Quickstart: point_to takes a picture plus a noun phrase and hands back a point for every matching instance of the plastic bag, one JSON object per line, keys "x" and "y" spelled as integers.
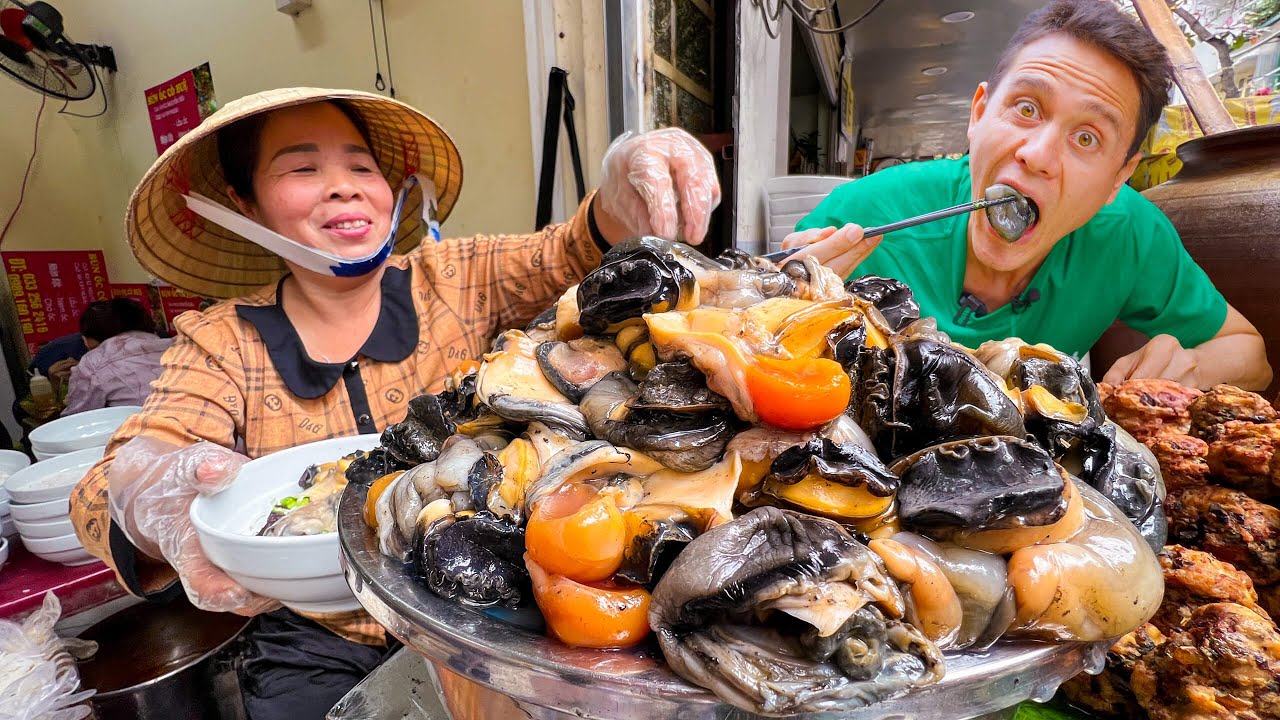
{"x": 38, "y": 677}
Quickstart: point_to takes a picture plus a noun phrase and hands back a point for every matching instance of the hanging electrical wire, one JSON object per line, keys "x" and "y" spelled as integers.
{"x": 378, "y": 82}
{"x": 386, "y": 46}
{"x": 22, "y": 190}
{"x": 805, "y": 15}
{"x": 105, "y": 103}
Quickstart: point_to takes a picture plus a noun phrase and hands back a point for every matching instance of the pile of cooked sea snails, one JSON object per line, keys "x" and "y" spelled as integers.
{"x": 805, "y": 491}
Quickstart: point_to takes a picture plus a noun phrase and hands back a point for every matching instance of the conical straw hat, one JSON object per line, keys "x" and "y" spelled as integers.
{"x": 196, "y": 255}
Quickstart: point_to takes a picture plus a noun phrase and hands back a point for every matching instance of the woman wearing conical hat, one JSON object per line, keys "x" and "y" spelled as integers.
{"x": 291, "y": 203}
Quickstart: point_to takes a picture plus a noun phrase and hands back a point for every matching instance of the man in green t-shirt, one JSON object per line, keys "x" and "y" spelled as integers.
{"x": 1060, "y": 120}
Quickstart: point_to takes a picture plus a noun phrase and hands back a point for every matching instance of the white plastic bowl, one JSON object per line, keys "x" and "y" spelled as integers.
{"x": 51, "y": 479}
{"x": 82, "y": 430}
{"x": 40, "y": 512}
{"x": 75, "y": 556}
{"x": 11, "y": 461}
{"x": 301, "y": 572}
{"x": 44, "y": 528}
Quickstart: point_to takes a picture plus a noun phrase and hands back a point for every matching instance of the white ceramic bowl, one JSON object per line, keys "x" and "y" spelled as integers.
{"x": 8, "y": 528}
{"x": 301, "y": 572}
{"x": 75, "y": 556}
{"x": 4, "y": 551}
{"x": 39, "y": 512}
{"x": 11, "y": 461}
{"x": 51, "y": 479}
{"x": 44, "y": 528}
{"x": 42, "y": 456}
{"x": 52, "y": 544}
{"x": 82, "y": 430}
{"x": 4, "y": 508}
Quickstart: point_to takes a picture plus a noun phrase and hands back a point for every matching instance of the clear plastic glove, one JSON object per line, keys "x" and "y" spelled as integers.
{"x": 151, "y": 485}
{"x": 662, "y": 183}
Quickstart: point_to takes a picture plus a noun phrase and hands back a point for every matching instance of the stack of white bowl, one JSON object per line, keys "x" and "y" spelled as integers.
{"x": 76, "y": 432}
{"x": 39, "y": 501}
{"x": 11, "y": 461}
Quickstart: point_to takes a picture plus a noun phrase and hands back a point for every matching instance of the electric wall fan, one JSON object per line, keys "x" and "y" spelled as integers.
{"x": 35, "y": 50}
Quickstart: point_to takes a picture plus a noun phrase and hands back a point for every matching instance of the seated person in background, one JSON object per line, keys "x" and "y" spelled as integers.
{"x": 123, "y": 358}
{"x": 1060, "y": 120}
{"x": 59, "y": 355}
{"x": 67, "y": 347}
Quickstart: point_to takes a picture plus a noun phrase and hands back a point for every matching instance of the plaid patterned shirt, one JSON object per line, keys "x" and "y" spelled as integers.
{"x": 239, "y": 376}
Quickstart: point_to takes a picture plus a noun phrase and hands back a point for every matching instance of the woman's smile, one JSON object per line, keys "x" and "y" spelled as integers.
{"x": 349, "y": 226}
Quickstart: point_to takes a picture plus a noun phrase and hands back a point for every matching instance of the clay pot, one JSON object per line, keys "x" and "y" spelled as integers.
{"x": 1225, "y": 203}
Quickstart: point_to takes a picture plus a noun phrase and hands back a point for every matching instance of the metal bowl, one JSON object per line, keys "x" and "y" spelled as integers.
{"x": 505, "y": 652}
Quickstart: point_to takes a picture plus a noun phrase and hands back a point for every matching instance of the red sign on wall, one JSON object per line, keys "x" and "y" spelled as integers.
{"x": 174, "y": 302}
{"x": 51, "y": 288}
{"x": 177, "y": 106}
{"x": 146, "y": 295}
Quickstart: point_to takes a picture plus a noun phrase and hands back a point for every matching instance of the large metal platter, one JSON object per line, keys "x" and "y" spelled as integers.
{"x": 540, "y": 673}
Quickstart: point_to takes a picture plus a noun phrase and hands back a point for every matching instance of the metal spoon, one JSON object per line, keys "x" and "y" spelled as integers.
{"x": 1009, "y": 212}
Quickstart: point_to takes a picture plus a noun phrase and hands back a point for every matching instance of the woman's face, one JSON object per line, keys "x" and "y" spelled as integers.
{"x": 315, "y": 182}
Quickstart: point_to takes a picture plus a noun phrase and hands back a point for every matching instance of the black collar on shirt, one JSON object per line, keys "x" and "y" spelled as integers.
{"x": 393, "y": 338}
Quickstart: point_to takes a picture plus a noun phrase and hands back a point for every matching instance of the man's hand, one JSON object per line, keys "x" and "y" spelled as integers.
{"x": 660, "y": 183}
{"x": 1162, "y": 357}
{"x": 842, "y": 249}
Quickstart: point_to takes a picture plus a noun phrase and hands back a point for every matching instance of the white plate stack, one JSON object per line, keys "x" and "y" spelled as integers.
{"x": 80, "y": 431}
{"x": 11, "y": 461}
{"x": 40, "y": 504}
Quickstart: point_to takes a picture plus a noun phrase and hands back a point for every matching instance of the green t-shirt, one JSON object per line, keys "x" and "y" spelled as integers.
{"x": 1127, "y": 263}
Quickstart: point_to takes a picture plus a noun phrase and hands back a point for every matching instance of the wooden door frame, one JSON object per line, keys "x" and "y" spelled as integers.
{"x": 761, "y": 117}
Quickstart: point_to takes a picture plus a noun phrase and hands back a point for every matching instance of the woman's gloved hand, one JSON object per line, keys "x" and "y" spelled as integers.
{"x": 151, "y": 485}
{"x": 661, "y": 182}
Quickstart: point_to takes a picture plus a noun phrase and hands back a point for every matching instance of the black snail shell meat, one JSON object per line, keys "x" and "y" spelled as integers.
{"x": 478, "y": 560}
{"x": 779, "y": 612}
{"x": 636, "y": 276}
{"x": 419, "y": 437}
{"x": 684, "y": 442}
{"x": 842, "y": 481}
{"x": 678, "y": 387}
{"x": 1126, "y": 473}
{"x": 372, "y": 465}
{"x": 891, "y": 297}
{"x": 942, "y": 392}
{"x": 982, "y": 483}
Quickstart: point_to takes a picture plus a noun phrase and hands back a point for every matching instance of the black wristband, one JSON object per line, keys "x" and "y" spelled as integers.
{"x": 594, "y": 229}
{"x": 125, "y": 556}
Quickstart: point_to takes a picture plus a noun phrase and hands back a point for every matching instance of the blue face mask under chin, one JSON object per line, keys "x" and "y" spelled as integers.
{"x": 310, "y": 258}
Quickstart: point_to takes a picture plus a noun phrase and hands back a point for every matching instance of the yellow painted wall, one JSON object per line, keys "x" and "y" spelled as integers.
{"x": 63, "y": 208}
{"x": 463, "y": 63}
